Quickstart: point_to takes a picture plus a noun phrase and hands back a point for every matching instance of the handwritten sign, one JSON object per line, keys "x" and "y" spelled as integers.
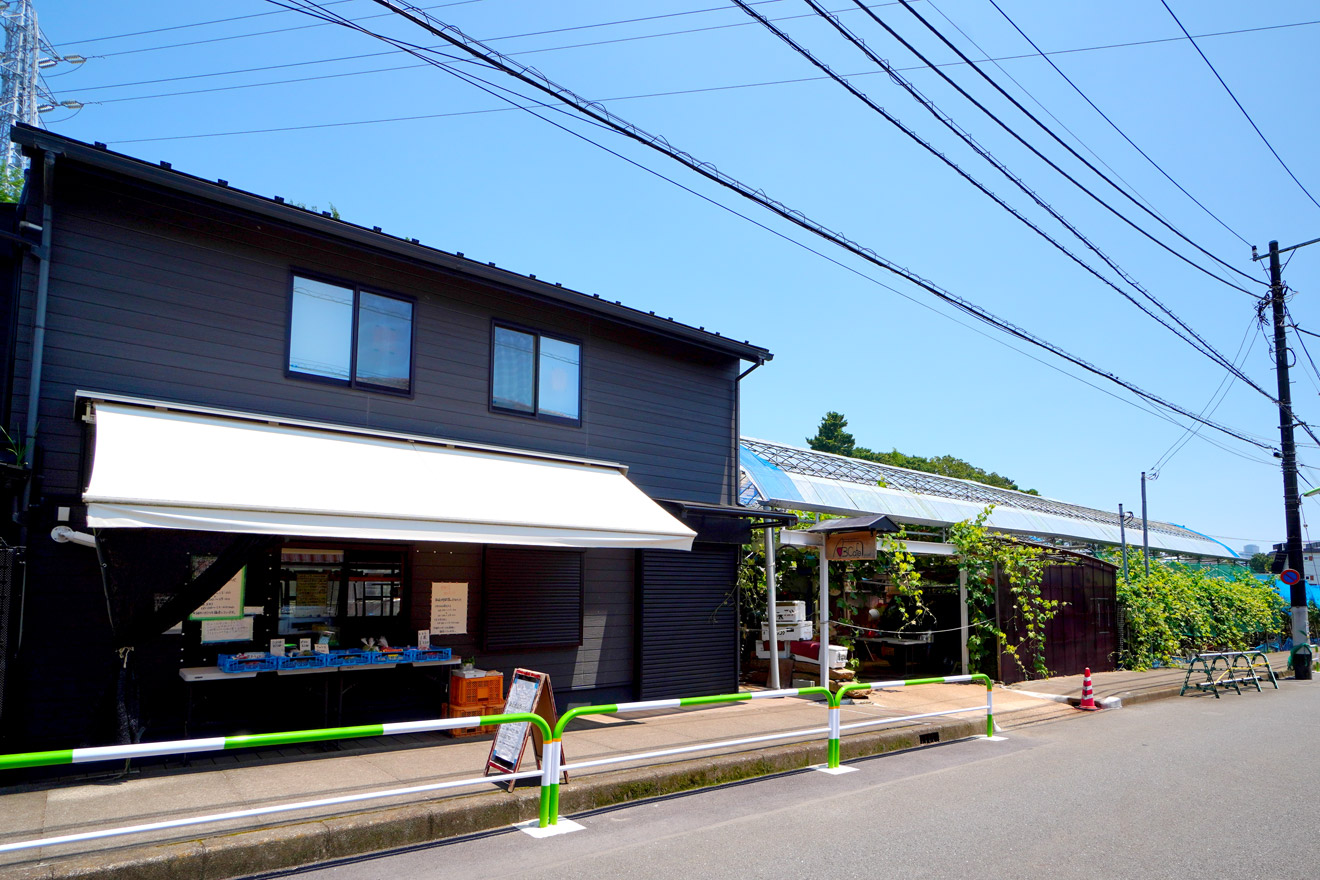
{"x": 449, "y": 603}
{"x": 239, "y": 630}
{"x": 313, "y": 589}
{"x": 509, "y": 741}
{"x": 227, "y": 604}
{"x": 529, "y": 691}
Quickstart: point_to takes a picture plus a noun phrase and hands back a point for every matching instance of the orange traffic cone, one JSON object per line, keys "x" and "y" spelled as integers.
{"x": 1088, "y": 696}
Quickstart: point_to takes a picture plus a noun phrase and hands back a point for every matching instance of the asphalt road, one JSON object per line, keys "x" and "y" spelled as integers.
{"x": 1184, "y": 788}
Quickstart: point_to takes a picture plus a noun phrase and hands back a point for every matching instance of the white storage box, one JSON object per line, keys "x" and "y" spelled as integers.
{"x": 763, "y": 651}
{"x": 790, "y": 612}
{"x": 838, "y": 657}
{"x": 795, "y": 632}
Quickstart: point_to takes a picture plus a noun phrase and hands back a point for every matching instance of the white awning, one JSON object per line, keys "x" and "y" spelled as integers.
{"x": 177, "y": 469}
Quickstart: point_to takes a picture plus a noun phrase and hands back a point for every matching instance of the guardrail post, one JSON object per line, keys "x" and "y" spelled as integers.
{"x": 549, "y": 783}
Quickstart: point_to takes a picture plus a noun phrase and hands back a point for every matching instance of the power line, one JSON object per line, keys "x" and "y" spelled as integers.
{"x": 1264, "y": 139}
{"x": 1114, "y": 125}
{"x": 180, "y": 27}
{"x": 1046, "y": 110}
{"x": 652, "y": 36}
{"x": 1200, "y": 344}
{"x": 1103, "y": 47}
{"x": 1057, "y": 139}
{"x": 1221, "y": 392}
{"x": 593, "y": 111}
{"x": 491, "y": 89}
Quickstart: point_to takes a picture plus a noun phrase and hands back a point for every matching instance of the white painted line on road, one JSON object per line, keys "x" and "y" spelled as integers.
{"x": 561, "y": 826}
{"x": 1056, "y": 698}
{"x": 833, "y": 771}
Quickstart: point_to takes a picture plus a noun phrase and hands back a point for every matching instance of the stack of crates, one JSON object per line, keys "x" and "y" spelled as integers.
{"x": 478, "y": 695}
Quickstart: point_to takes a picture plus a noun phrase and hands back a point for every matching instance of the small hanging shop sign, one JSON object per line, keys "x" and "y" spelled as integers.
{"x": 843, "y": 546}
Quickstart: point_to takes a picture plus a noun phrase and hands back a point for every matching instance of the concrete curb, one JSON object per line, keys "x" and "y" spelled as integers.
{"x": 304, "y": 844}
{"x": 319, "y": 841}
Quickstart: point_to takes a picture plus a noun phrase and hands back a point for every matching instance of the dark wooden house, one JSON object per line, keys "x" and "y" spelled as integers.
{"x": 223, "y": 388}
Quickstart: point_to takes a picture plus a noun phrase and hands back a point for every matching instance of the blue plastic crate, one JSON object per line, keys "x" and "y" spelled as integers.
{"x": 391, "y": 655}
{"x": 232, "y": 663}
{"x": 304, "y": 661}
{"x": 349, "y": 658}
{"x": 430, "y": 654}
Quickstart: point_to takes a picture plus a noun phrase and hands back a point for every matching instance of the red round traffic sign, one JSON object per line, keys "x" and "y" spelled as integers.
{"x": 1290, "y": 576}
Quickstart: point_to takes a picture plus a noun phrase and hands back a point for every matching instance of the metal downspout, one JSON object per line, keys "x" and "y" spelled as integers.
{"x": 39, "y": 317}
{"x": 34, "y": 378}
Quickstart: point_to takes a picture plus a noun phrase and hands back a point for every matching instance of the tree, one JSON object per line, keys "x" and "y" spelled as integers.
{"x": 830, "y": 436}
{"x": 11, "y": 183}
{"x": 1260, "y": 562}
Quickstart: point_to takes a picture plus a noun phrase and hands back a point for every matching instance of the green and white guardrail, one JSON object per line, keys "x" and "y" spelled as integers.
{"x": 551, "y": 763}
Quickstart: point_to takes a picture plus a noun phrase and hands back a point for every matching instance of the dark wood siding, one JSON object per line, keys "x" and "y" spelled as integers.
{"x": 688, "y": 641}
{"x": 154, "y": 297}
{"x": 1084, "y": 632}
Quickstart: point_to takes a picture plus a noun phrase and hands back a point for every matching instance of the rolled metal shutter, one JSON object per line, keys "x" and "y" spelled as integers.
{"x": 533, "y": 599}
{"x": 688, "y": 623}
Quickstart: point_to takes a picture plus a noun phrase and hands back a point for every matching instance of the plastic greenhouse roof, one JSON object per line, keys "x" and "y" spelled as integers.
{"x": 788, "y": 477}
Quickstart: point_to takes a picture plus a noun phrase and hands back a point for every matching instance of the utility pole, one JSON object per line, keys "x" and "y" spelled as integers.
{"x": 1122, "y": 537}
{"x": 1145, "y": 531}
{"x": 1292, "y": 502}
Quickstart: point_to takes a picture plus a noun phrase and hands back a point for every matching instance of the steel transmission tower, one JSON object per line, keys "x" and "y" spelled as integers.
{"x": 18, "y": 74}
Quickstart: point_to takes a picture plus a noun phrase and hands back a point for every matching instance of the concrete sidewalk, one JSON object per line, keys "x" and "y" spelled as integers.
{"x": 248, "y": 845}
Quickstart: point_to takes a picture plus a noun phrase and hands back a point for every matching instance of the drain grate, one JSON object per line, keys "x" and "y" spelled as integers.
{"x": 928, "y": 738}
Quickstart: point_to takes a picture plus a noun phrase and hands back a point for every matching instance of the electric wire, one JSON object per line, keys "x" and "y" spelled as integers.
{"x": 1199, "y": 344}
{"x": 1046, "y": 110}
{"x": 1256, "y": 127}
{"x": 1213, "y": 404}
{"x": 1302, "y": 342}
{"x": 648, "y": 36}
{"x": 1099, "y": 48}
{"x": 990, "y": 80}
{"x": 1138, "y": 403}
{"x": 1115, "y": 126}
{"x": 195, "y": 24}
{"x": 593, "y": 111}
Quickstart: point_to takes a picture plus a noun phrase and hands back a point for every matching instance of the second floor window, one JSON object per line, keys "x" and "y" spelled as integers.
{"x": 536, "y": 375}
{"x": 350, "y": 335}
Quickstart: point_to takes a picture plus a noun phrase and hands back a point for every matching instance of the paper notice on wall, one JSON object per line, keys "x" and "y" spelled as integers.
{"x": 449, "y": 603}
{"x": 226, "y": 604}
{"x": 313, "y": 591}
{"x": 227, "y": 630}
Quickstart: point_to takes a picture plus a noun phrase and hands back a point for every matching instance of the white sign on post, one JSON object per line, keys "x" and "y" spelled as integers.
{"x": 449, "y": 602}
{"x": 227, "y": 630}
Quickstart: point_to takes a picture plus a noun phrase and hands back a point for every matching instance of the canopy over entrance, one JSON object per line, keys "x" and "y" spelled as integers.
{"x": 157, "y": 466}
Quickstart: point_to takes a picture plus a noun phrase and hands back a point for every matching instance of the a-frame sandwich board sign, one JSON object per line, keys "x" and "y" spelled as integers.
{"x": 529, "y": 691}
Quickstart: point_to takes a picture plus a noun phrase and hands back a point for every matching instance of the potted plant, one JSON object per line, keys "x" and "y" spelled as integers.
{"x": 14, "y": 470}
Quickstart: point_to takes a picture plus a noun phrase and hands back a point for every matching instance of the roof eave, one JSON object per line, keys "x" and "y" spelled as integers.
{"x": 35, "y": 140}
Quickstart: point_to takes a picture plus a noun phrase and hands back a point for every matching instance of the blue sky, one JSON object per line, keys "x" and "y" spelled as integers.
{"x": 461, "y": 171}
